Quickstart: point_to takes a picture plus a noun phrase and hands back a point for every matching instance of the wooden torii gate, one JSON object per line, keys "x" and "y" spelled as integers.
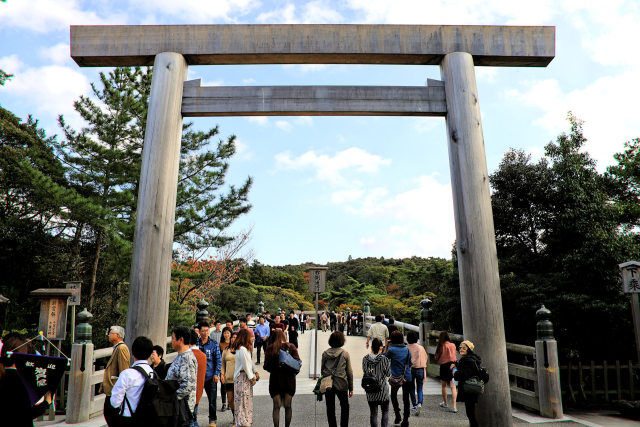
{"x": 456, "y": 49}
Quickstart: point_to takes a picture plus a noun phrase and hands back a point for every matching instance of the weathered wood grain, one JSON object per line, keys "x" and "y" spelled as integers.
{"x": 125, "y": 45}
{"x": 313, "y": 101}
{"x": 482, "y": 318}
{"x": 148, "y": 311}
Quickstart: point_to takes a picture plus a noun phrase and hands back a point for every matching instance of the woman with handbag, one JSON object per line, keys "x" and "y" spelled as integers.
{"x": 227, "y": 368}
{"x": 400, "y": 377}
{"x": 376, "y": 366}
{"x": 337, "y": 379}
{"x": 282, "y": 380}
{"x": 244, "y": 378}
{"x": 467, "y": 367}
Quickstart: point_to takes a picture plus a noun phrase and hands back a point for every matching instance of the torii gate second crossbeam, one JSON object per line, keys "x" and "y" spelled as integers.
{"x": 454, "y": 48}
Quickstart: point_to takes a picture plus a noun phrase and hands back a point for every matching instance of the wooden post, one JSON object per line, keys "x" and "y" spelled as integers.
{"x": 482, "y": 318}
{"x": 80, "y": 393}
{"x": 549, "y": 392}
{"x": 148, "y": 311}
{"x": 635, "y": 315}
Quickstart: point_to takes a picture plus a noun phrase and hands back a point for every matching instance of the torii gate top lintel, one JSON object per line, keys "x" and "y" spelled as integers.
{"x": 129, "y": 45}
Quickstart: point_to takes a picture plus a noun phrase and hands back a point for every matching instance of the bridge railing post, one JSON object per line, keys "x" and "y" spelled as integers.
{"x": 548, "y": 372}
{"x": 79, "y": 395}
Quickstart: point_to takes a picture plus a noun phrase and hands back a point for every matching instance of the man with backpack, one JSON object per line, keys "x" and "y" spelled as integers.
{"x": 127, "y": 390}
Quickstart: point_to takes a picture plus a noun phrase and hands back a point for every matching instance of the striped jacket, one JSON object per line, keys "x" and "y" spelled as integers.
{"x": 379, "y": 365}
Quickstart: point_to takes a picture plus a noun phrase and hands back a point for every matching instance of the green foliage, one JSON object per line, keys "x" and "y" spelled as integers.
{"x": 4, "y": 77}
{"x": 559, "y": 239}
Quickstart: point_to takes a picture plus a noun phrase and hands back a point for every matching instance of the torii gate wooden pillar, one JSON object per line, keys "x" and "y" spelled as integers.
{"x": 455, "y": 48}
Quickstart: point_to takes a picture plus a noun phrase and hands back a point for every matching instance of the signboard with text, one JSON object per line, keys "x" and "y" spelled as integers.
{"x": 630, "y": 277}
{"x": 74, "y": 300}
{"x": 317, "y": 279}
{"x": 53, "y": 311}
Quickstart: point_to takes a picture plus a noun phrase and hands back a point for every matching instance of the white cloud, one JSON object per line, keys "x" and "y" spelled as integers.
{"x": 242, "y": 149}
{"x": 284, "y": 125}
{"x": 331, "y": 168}
{"x": 11, "y": 64}
{"x": 460, "y": 12}
{"x": 260, "y": 120}
{"x": 48, "y": 90}
{"x": 345, "y": 196}
{"x": 59, "y": 54}
{"x": 320, "y": 12}
{"x": 194, "y": 11}
{"x": 286, "y": 15}
{"x": 249, "y": 81}
{"x": 421, "y": 218}
{"x": 42, "y": 16}
{"x": 608, "y": 106}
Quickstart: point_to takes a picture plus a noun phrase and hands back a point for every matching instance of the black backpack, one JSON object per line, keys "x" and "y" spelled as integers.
{"x": 158, "y": 405}
{"x": 370, "y": 383}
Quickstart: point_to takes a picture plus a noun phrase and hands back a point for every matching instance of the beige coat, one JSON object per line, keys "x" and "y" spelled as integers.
{"x": 118, "y": 362}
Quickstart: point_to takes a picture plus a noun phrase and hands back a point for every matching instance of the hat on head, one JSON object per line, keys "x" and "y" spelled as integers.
{"x": 468, "y": 343}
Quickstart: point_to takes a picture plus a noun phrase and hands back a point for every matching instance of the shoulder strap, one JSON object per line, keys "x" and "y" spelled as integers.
{"x": 142, "y": 371}
{"x": 337, "y": 364}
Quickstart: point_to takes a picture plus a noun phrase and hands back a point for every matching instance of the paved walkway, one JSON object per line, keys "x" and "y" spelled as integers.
{"x": 308, "y": 412}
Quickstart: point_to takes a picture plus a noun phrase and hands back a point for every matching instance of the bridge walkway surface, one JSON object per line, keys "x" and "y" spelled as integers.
{"x": 308, "y": 412}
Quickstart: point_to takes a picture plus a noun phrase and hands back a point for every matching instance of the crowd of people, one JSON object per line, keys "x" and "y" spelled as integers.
{"x": 211, "y": 356}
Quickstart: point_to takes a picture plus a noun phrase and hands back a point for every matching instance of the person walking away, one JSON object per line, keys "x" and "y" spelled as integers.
{"x": 184, "y": 369}
{"x": 244, "y": 378}
{"x": 378, "y": 365}
{"x": 225, "y": 340}
{"x": 324, "y": 319}
{"x": 118, "y": 362}
{"x": 262, "y": 333}
{"x": 303, "y": 322}
{"x": 333, "y": 321}
{"x": 392, "y": 325}
{"x": 446, "y": 357}
{"x": 293, "y": 335}
{"x": 201, "y": 373}
{"x": 308, "y": 321}
{"x": 468, "y": 366}
{"x": 227, "y": 369}
{"x": 337, "y": 363}
{"x": 378, "y": 330}
{"x": 15, "y": 402}
{"x": 127, "y": 390}
{"x": 400, "y": 357}
{"x": 419, "y": 361}
{"x": 282, "y": 381}
{"x": 211, "y": 350}
{"x": 157, "y": 362}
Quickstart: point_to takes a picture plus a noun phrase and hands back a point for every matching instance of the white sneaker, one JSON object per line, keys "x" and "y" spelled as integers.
{"x": 454, "y": 410}
{"x": 418, "y": 410}
{"x": 443, "y": 405}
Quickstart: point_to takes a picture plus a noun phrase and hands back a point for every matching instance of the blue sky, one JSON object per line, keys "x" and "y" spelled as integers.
{"x": 329, "y": 187}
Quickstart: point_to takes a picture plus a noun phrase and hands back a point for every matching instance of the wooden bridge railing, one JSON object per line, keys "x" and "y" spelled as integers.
{"x": 84, "y": 400}
{"x": 525, "y": 366}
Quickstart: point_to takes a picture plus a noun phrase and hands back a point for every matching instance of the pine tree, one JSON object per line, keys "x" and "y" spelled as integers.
{"x": 104, "y": 159}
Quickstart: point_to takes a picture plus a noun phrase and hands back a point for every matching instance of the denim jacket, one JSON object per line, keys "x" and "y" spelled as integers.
{"x": 400, "y": 357}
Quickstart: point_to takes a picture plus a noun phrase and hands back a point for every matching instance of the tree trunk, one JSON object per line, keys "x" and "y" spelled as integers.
{"x": 94, "y": 269}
